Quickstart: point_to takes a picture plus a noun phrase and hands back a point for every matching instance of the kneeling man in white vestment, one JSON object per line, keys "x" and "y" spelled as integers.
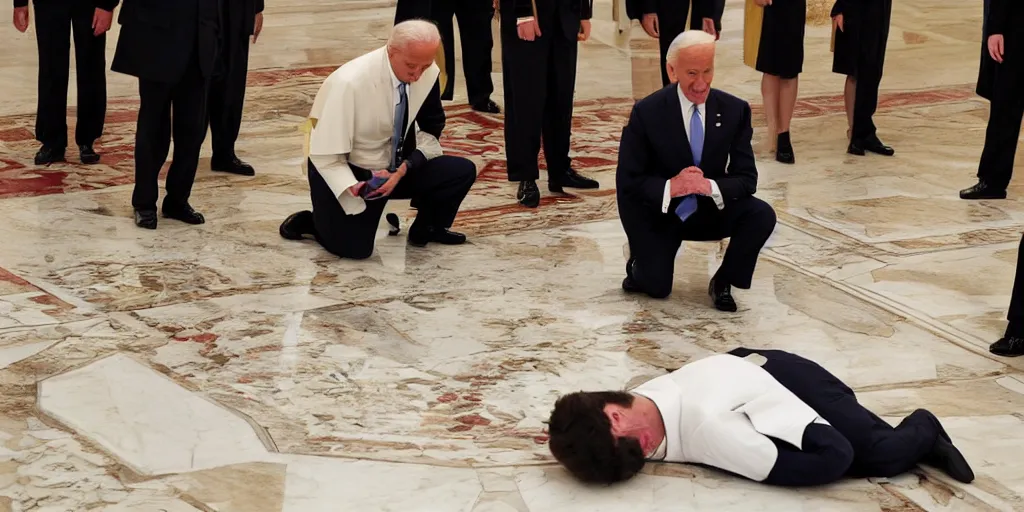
{"x": 376, "y": 122}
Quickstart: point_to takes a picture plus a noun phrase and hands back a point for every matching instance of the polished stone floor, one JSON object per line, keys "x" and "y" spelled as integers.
{"x": 223, "y": 368}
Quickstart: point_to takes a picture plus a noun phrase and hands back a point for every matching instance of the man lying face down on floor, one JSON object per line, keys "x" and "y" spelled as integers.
{"x": 767, "y": 415}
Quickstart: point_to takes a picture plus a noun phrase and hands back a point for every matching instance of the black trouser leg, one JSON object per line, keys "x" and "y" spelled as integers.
{"x": 152, "y": 141}
{"x": 437, "y": 189}
{"x": 345, "y": 236}
{"x": 747, "y": 222}
{"x": 671, "y": 23}
{"x": 1006, "y": 111}
{"x": 557, "y": 131}
{"x": 824, "y": 458}
{"x": 869, "y": 78}
{"x": 474, "y": 18}
{"x": 189, "y": 126}
{"x": 525, "y": 65}
{"x": 441, "y": 12}
{"x": 1016, "y": 312}
{"x": 91, "y": 70}
{"x": 227, "y": 91}
{"x": 53, "y": 39}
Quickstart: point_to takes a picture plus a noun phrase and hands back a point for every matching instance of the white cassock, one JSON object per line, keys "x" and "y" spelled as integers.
{"x": 719, "y": 410}
{"x": 352, "y": 121}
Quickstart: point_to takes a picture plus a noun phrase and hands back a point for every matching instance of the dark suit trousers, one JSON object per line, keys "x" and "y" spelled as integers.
{"x": 227, "y": 89}
{"x": 540, "y": 80}
{"x": 826, "y": 457}
{"x": 187, "y": 99}
{"x": 1016, "y": 313}
{"x": 54, "y": 21}
{"x": 412, "y": 9}
{"x": 1007, "y": 109}
{"x": 870, "y": 62}
{"x": 654, "y": 240}
{"x": 879, "y": 449}
{"x": 474, "y": 18}
{"x": 437, "y": 189}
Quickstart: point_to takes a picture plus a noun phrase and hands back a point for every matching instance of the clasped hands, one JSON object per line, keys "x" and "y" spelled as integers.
{"x": 690, "y": 181}
{"x": 384, "y": 190}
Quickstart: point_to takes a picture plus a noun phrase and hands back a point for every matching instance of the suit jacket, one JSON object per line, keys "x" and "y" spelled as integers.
{"x": 635, "y": 9}
{"x": 352, "y": 120}
{"x": 252, "y": 8}
{"x": 654, "y": 148}
{"x": 570, "y": 12}
{"x": 1001, "y": 17}
{"x": 412, "y": 9}
{"x": 721, "y": 411}
{"x": 158, "y": 38}
{"x": 107, "y": 5}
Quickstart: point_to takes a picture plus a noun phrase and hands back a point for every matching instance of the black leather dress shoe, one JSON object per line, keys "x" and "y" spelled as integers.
{"x": 87, "y": 155}
{"x": 722, "y": 297}
{"x": 48, "y": 155}
{"x": 297, "y": 226}
{"x": 859, "y": 147}
{"x": 145, "y": 219}
{"x": 983, "y": 190}
{"x": 442, "y": 236}
{"x": 628, "y": 284}
{"x": 784, "y": 149}
{"x": 1008, "y": 346}
{"x": 528, "y": 195}
{"x": 570, "y": 179}
{"x": 233, "y": 166}
{"x": 184, "y": 213}
{"x": 487, "y": 107}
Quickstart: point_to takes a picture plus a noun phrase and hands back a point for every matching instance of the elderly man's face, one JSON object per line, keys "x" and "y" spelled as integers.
{"x": 694, "y": 68}
{"x": 410, "y": 62}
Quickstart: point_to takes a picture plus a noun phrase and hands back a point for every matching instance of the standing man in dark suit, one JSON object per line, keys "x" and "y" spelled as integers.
{"x": 538, "y": 56}
{"x": 862, "y": 29}
{"x": 666, "y": 19}
{"x": 55, "y": 19}
{"x": 1001, "y": 80}
{"x": 241, "y": 18}
{"x": 686, "y": 172}
{"x": 475, "y": 32}
{"x": 1012, "y": 342}
{"x": 412, "y": 9}
{"x": 171, "y": 47}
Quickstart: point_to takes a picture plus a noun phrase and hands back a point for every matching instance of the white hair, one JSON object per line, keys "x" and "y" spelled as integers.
{"x": 413, "y": 31}
{"x": 685, "y": 40}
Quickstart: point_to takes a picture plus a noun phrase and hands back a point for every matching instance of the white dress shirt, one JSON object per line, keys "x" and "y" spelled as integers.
{"x": 687, "y": 108}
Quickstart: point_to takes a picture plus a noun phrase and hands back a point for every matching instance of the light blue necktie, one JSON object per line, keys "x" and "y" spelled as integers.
{"x": 399, "y": 130}
{"x": 689, "y": 204}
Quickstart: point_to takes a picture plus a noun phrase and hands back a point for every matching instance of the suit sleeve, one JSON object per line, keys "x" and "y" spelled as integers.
{"x": 741, "y": 178}
{"x": 998, "y": 16}
{"x": 522, "y": 8}
{"x": 20, "y": 3}
{"x": 430, "y": 122}
{"x": 586, "y": 9}
{"x": 107, "y": 5}
{"x": 709, "y": 9}
{"x": 838, "y": 8}
{"x": 633, "y": 175}
{"x": 259, "y": 6}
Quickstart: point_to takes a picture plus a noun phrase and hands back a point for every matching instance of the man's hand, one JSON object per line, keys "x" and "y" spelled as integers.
{"x": 528, "y": 30}
{"x": 763, "y": 3}
{"x": 101, "y": 20}
{"x": 649, "y": 22}
{"x": 21, "y": 18}
{"x": 389, "y": 186}
{"x": 709, "y": 27}
{"x": 837, "y": 22}
{"x": 996, "y": 47}
{"x": 257, "y": 27}
{"x": 584, "y": 30}
{"x": 689, "y": 181}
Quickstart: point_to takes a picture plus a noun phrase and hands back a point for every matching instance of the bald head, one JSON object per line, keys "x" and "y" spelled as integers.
{"x": 412, "y": 47}
{"x": 690, "y": 61}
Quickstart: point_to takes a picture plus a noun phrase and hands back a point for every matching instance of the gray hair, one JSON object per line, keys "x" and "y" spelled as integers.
{"x": 685, "y": 40}
{"x": 413, "y": 31}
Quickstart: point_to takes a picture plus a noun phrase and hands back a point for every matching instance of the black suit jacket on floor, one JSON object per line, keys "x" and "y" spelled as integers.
{"x": 654, "y": 148}
{"x": 158, "y": 38}
{"x": 570, "y": 12}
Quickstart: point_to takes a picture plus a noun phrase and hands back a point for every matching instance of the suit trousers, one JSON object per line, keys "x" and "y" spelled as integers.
{"x": 187, "y": 98}
{"x": 540, "y": 80}
{"x": 1016, "y": 313}
{"x": 227, "y": 89}
{"x": 879, "y": 450}
{"x": 654, "y": 240}
{"x": 474, "y": 18}
{"x": 1006, "y": 112}
{"x": 54, "y": 21}
{"x": 436, "y": 188}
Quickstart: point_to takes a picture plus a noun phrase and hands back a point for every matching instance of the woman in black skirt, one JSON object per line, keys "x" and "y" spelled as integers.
{"x": 773, "y": 43}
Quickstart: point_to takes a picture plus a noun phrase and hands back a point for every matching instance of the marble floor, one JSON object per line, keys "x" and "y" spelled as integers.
{"x": 222, "y": 368}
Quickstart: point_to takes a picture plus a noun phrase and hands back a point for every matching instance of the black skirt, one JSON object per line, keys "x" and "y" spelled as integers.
{"x": 774, "y": 37}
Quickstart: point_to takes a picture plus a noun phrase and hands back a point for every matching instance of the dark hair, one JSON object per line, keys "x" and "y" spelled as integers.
{"x": 581, "y": 438}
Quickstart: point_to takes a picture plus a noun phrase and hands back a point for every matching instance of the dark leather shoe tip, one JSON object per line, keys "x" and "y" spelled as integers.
{"x": 145, "y": 219}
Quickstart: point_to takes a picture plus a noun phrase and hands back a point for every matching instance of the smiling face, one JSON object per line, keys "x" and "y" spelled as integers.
{"x": 694, "y": 68}
{"x": 409, "y": 62}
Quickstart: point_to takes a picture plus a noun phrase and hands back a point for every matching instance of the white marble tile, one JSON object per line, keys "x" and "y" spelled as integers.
{"x": 12, "y": 354}
{"x": 146, "y": 420}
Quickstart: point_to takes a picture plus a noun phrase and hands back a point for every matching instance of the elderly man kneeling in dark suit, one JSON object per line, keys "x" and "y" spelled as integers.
{"x": 686, "y": 172}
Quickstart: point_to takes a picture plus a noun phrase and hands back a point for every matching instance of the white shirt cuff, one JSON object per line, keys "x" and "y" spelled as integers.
{"x": 520, "y": 21}
{"x": 717, "y": 195}
{"x": 667, "y": 197}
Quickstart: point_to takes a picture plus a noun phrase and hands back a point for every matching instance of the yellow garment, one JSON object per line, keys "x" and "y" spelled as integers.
{"x": 753, "y": 20}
